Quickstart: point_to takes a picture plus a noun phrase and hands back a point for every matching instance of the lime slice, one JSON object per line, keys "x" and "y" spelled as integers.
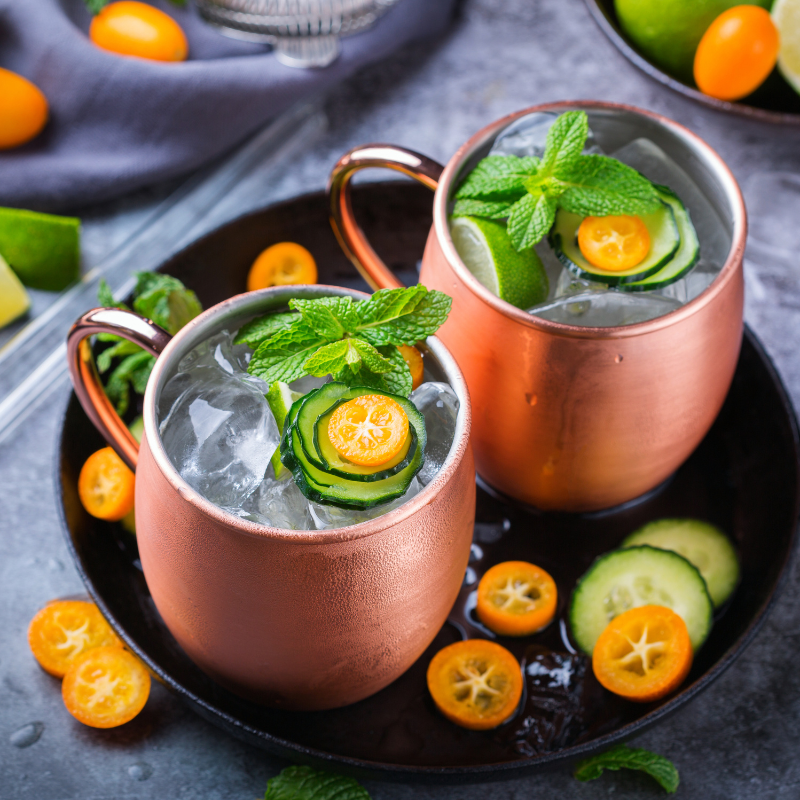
{"x": 786, "y": 16}
{"x": 280, "y": 398}
{"x": 487, "y": 252}
{"x": 43, "y": 249}
{"x": 14, "y": 300}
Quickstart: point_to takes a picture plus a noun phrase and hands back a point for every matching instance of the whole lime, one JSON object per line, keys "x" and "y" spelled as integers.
{"x": 667, "y": 32}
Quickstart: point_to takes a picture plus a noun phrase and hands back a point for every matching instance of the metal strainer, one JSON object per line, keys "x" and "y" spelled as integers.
{"x": 304, "y": 33}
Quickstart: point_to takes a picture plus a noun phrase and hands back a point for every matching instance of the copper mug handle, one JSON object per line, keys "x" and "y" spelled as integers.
{"x": 86, "y": 381}
{"x": 350, "y": 236}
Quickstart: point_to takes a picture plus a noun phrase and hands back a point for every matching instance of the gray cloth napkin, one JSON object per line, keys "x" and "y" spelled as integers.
{"x": 119, "y": 123}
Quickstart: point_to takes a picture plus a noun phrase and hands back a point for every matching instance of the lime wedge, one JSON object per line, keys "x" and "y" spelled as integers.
{"x": 280, "y": 398}
{"x": 43, "y": 249}
{"x": 14, "y": 300}
{"x": 137, "y": 429}
{"x": 487, "y": 252}
{"x": 786, "y": 16}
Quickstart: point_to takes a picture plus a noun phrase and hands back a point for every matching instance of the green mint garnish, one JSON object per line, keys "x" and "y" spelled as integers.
{"x": 624, "y": 757}
{"x": 355, "y": 342}
{"x": 161, "y": 298}
{"x": 305, "y": 783}
{"x": 96, "y": 6}
{"x": 529, "y": 190}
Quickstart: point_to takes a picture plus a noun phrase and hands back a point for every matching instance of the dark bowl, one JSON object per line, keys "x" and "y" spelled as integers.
{"x": 743, "y": 477}
{"x": 774, "y": 101}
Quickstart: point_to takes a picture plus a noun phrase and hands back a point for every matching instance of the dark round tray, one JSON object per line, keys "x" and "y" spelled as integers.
{"x": 774, "y": 101}
{"x": 743, "y": 477}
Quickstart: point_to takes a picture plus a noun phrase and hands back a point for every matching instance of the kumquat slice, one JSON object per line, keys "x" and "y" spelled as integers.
{"x": 283, "y": 264}
{"x": 644, "y": 654}
{"x": 613, "y": 243}
{"x": 516, "y": 598}
{"x": 106, "y": 486}
{"x": 64, "y": 630}
{"x": 368, "y": 430}
{"x": 106, "y": 687}
{"x": 413, "y": 358}
{"x": 476, "y": 684}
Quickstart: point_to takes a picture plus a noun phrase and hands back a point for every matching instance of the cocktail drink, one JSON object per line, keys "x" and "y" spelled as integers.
{"x": 303, "y": 562}
{"x": 597, "y": 301}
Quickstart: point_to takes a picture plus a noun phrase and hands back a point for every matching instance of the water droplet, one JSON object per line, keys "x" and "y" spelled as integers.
{"x": 470, "y": 577}
{"x": 54, "y": 565}
{"x": 475, "y": 552}
{"x": 27, "y": 735}
{"x": 618, "y": 359}
{"x": 140, "y": 771}
{"x": 531, "y": 399}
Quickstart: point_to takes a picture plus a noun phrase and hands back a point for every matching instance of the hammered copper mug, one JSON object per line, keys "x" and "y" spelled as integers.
{"x": 567, "y": 417}
{"x": 296, "y": 619}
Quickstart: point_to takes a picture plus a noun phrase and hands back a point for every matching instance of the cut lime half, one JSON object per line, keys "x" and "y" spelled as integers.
{"x": 280, "y": 398}
{"x": 487, "y": 252}
{"x": 14, "y": 300}
{"x": 786, "y": 16}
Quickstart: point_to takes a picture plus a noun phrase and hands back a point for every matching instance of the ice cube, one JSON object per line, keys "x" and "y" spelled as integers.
{"x": 280, "y": 504}
{"x": 714, "y": 234}
{"x": 218, "y": 351}
{"x": 439, "y": 405}
{"x": 326, "y": 517}
{"x": 605, "y": 309}
{"x": 217, "y": 430}
{"x": 528, "y": 136}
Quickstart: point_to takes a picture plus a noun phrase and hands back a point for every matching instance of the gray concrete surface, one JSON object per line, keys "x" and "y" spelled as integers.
{"x": 739, "y": 739}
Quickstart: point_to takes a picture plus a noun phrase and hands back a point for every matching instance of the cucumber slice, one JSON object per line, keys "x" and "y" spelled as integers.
{"x": 664, "y": 243}
{"x": 639, "y": 576}
{"x": 280, "y": 399}
{"x": 684, "y": 259}
{"x": 705, "y": 546}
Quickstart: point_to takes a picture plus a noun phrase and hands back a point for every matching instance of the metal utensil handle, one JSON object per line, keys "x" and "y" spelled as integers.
{"x": 350, "y": 236}
{"x": 86, "y": 380}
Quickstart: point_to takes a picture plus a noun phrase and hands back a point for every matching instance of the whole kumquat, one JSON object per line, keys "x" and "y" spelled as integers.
{"x": 737, "y": 53}
{"x": 614, "y": 243}
{"x": 368, "y": 430}
{"x": 106, "y": 486}
{"x": 413, "y": 358}
{"x": 516, "y": 598}
{"x": 64, "y": 630}
{"x": 106, "y": 687}
{"x": 23, "y": 110}
{"x": 476, "y": 684}
{"x": 644, "y": 653}
{"x": 130, "y": 28}
{"x": 282, "y": 264}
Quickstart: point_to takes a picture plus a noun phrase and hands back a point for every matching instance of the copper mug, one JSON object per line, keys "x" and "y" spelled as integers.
{"x": 296, "y": 619}
{"x": 566, "y": 417}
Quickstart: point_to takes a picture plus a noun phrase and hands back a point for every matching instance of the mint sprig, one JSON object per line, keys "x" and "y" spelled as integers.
{"x": 161, "y": 298}
{"x": 355, "y": 342}
{"x": 305, "y": 783}
{"x": 624, "y": 757}
{"x": 529, "y": 191}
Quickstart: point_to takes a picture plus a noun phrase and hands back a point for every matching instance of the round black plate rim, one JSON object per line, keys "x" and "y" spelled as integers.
{"x": 639, "y": 61}
{"x": 451, "y": 775}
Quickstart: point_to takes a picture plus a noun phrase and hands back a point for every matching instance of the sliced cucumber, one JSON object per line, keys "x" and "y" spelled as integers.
{"x": 325, "y": 486}
{"x": 280, "y": 399}
{"x": 684, "y": 259}
{"x": 705, "y": 546}
{"x": 639, "y": 576}
{"x": 664, "y": 243}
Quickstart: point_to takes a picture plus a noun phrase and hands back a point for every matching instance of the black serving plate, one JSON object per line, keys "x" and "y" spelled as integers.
{"x": 774, "y": 101}
{"x": 743, "y": 477}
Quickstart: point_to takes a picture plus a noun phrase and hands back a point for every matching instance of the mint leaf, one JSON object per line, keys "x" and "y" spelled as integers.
{"x": 330, "y": 318}
{"x": 305, "y": 783}
{"x": 330, "y": 358}
{"x": 396, "y": 381}
{"x": 599, "y": 186}
{"x": 498, "y": 178}
{"x": 565, "y": 141}
{"x": 387, "y": 305}
{"x": 165, "y": 300}
{"x": 261, "y": 328}
{"x": 133, "y": 367}
{"x": 104, "y": 295}
{"x": 426, "y": 319}
{"x": 624, "y": 757}
{"x": 372, "y": 359}
{"x": 122, "y": 348}
{"x": 489, "y": 209}
{"x": 530, "y": 220}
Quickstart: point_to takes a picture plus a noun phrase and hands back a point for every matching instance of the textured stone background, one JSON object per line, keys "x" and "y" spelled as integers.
{"x": 737, "y": 740}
